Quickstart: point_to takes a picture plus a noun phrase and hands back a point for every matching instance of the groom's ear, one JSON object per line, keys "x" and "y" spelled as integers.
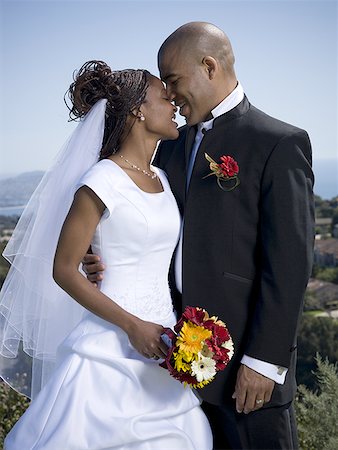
{"x": 210, "y": 64}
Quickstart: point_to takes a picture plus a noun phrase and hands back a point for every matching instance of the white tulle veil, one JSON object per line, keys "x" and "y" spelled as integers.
{"x": 35, "y": 314}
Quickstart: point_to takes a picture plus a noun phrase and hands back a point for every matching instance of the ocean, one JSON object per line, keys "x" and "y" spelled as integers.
{"x": 11, "y": 210}
{"x": 326, "y": 177}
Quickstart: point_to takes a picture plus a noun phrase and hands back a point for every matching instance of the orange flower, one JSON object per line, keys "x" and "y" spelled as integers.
{"x": 191, "y": 338}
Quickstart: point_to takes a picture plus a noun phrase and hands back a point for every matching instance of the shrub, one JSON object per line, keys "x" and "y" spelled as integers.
{"x": 317, "y": 411}
{"x": 316, "y": 334}
{"x": 12, "y": 406}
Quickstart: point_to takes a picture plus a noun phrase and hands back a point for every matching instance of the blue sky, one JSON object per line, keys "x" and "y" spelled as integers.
{"x": 286, "y": 60}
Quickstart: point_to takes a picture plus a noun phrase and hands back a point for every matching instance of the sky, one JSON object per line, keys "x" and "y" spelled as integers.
{"x": 286, "y": 59}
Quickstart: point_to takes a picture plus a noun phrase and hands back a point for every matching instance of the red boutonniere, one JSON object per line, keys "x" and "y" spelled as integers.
{"x": 225, "y": 171}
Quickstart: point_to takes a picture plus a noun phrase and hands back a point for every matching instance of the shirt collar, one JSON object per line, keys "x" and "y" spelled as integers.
{"x": 230, "y": 102}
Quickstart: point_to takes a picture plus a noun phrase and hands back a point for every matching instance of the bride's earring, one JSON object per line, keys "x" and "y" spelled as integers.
{"x": 142, "y": 117}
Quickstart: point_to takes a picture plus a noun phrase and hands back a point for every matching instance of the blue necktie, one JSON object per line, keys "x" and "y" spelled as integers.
{"x": 198, "y": 139}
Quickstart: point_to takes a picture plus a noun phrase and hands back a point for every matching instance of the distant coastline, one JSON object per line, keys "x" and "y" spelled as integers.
{"x": 326, "y": 177}
{"x": 11, "y": 210}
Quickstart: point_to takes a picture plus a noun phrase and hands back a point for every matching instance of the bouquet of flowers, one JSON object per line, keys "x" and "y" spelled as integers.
{"x": 201, "y": 348}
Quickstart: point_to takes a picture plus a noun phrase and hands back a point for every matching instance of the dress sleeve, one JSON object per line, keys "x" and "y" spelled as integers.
{"x": 101, "y": 183}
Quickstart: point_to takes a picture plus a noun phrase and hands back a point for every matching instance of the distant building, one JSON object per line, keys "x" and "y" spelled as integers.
{"x": 326, "y": 252}
{"x": 334, "y": 202}
{"x": 325, "y": 292}
{"x": 6, "y": 234}
{"x": 323, "y": 225}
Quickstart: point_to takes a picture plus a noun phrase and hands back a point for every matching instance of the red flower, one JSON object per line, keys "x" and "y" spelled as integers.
{"x": 183, "y": 377}
{"x": 228, "y": 166}
{"x": 226, "y": 170}
{"x": 220, "y": 365}
{"x": 180, "y": 366}
{"x": 194, "y": 315}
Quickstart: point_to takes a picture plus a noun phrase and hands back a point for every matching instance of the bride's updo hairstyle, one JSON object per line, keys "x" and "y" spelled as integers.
{"x": 125, "y": 91}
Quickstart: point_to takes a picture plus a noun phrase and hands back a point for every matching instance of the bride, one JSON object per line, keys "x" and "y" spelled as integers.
{"x": 102, "y": 386}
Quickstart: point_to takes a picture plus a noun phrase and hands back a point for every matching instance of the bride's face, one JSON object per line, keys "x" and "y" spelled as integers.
{"x": 158, "y": 111}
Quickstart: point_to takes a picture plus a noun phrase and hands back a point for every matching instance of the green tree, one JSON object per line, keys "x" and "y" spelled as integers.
{"x": 12, "y": 406}
{"x": 315, "y": 269}
{"x": 317, "y": 411}
{"x": 334, "y": 202}
{"x": 324, "y": 210}
{"x": 316, "y": 334}
{"x": 4, "y": 265}
{"x": 311, "y": 302}
{"x": 334, "y": 218}
{"x": 318, "y": 200}
{"x": 329, "y": 274}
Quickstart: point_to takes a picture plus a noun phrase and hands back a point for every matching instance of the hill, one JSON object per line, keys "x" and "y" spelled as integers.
{"x": 16, "y": 190}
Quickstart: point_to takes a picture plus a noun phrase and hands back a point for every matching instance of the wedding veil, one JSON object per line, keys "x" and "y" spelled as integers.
{"x": 35, "y": 313}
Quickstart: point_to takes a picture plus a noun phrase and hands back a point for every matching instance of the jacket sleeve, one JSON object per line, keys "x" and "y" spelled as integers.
{"x": 286, "y": 236}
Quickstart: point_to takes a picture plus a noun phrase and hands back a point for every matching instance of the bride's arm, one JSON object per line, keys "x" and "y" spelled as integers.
{"x": 75, "y": 238}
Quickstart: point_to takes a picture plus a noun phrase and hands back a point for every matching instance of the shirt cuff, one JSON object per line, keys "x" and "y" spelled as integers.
{"x": 275, "y": 373}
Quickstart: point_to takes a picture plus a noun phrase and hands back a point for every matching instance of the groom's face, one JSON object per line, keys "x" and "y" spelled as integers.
{"x": 187, "y": 85}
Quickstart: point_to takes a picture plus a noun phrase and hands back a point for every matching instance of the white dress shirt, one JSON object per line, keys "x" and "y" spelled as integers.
{"x": 275, "y": 373}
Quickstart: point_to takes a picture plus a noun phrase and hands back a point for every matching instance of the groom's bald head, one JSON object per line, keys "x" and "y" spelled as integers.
{"x": 197, "y": 64}
{"x": 195, "y": 40}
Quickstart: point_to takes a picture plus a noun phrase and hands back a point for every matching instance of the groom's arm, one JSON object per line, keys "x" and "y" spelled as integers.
{"x": 162, "y": 154}
{"x": 271, "y": 371}
{"x": 157, "y": 157}
{"x": 93, "y": 267}
{"x": 286, "y": 250}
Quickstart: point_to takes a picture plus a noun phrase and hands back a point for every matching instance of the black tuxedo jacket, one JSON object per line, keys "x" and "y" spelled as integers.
{"x": 247, "y": 253}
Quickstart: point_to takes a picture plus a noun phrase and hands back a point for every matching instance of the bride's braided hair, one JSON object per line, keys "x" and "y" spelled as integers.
{"x": 124, "y": 90}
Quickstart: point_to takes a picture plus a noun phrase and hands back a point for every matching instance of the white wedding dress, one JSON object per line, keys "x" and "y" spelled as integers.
{"x": 103, "y": 394}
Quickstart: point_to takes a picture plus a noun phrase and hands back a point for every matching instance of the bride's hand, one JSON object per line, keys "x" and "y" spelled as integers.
{"x": 145, "y": 337}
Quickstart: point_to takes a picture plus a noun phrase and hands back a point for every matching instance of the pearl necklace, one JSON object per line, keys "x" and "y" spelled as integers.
{"x": 152, "y": 175}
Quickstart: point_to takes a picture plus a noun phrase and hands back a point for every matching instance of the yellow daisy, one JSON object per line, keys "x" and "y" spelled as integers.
{"x": 192, "y": 337}
{"x": 182, "y": 363}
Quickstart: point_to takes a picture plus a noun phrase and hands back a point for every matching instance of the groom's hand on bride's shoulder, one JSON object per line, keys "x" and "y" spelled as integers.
{"x": 93, "y": 268}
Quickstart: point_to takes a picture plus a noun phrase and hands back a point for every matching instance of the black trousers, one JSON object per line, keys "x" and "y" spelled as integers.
{"x": 265, "y": 429}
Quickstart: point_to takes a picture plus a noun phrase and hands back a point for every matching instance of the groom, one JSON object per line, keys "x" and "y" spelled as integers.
{"x": 245, "y": 252}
